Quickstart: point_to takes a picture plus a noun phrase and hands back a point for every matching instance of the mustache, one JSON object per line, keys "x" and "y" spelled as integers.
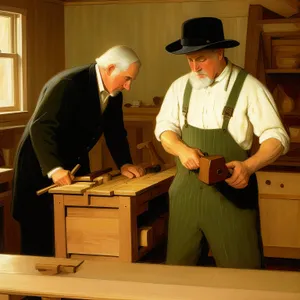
{"x": 199, "y": 73}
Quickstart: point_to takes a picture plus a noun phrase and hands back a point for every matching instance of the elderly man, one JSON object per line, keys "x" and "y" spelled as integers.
{"x": 216, "y": 109}
{"x": 74, "y": 108}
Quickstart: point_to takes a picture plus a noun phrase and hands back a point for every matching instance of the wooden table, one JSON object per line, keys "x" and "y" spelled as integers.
{"x": 135, "y": 281}
{"x": 10, "y": 236}
{"x": 119, "y": 220}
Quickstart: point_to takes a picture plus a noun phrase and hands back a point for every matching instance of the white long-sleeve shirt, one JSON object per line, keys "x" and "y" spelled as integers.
{"x": 255, "y": 111}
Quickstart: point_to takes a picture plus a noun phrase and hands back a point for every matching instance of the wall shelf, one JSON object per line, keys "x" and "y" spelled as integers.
{"x": 282, "y": 71}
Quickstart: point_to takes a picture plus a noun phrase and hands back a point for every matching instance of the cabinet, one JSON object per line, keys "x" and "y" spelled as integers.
{"x": 279, "y": 203}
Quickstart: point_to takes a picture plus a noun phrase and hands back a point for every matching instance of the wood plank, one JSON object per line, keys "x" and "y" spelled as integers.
{"x": 128, "y": 230}
{"x": 77, "y": 188}
{"x": 60, "y": 226}
{"x": 107, "y": 189}
{"x": 110, "y": 280}
{"x": 279, "y": 21}
{"x": 283, "y": 252}
{"x": 76, "y": 200}
{"x": 95, "y": 257}
{"x": 140, "y": 185}
{"x": 281, "y": 27}
{"x": 104, "y": 201}
{"x": 286, "y": 42}
{"x": 92, "y": 212}
{"x": 253, "y": 38}
{"x": 282, "y": 71}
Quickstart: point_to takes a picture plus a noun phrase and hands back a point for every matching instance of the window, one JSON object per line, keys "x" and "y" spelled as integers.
{"x": 12, "y": 62}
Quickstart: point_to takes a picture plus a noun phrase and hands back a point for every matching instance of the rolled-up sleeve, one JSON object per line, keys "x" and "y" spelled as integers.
{"x": 168, "y": 116}
{"x": 264, "y": 116}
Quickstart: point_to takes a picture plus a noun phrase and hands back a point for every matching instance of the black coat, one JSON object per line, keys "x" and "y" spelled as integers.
{"x": 64, "y": 127}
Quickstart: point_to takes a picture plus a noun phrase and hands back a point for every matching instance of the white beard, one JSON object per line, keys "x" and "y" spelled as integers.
{"x": 199, "y": 83}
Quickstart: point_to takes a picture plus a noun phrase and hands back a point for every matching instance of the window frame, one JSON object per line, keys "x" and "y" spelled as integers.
{"x": 19, "y": 61}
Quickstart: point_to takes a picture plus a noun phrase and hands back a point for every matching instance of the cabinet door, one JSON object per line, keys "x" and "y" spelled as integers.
{"x": 280, "y": 222}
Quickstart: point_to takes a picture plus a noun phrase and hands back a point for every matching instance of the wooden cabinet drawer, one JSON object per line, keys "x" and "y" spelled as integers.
{"x": 93, "y": 231}
{"x": 280, "y": 222}
{"x": 283, "y": 185}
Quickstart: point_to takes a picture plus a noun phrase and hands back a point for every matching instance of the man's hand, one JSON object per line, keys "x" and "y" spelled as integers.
{"x": 132, "y": 171}
{"x": 62, "y": 177}
{"x": 240, "y": 174}
{"x": 190, "y": 157}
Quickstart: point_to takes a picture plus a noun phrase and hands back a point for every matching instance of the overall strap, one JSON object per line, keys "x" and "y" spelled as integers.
{"x": 186, "y": 101}
{"x": 233, "y": 98}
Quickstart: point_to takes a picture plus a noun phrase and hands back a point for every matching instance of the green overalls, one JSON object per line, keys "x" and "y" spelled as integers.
{"x": 199, "y": 212}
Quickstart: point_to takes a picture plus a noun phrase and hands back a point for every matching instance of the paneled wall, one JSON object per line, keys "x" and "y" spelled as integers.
{"x": 148, "y": 28}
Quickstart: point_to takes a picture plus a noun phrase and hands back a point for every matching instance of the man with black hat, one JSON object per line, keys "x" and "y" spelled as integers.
{"x": 216, "y": 109}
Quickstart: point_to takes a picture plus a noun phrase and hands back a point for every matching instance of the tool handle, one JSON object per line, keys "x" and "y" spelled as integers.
{"x": 46, "y": 189}
{"x": 75, "y": 169}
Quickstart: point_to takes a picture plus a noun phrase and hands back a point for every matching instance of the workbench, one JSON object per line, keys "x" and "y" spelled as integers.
{"x": 122, "y": 219}
{"x": 136, "y": 281}
{"x": 9, "y": 228}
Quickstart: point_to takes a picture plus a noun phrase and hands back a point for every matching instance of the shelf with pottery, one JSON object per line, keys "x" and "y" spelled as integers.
{"x": 275, "y": 61}
{"x": 281, "y": 64}
{"x": 280, "y": 191}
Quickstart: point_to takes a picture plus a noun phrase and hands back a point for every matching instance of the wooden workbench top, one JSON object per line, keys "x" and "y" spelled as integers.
{"x": 118, "y": 186}
{"x": 6, "y": 174}
{"x": 110, "y": 280}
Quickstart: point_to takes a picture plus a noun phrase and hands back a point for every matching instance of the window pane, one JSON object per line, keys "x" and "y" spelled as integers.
{"x": 6, "y": 82}
{"x": 5, "y": 34}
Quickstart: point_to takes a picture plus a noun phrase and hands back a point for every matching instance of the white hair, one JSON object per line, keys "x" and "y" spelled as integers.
{"x": 121, "y": 56}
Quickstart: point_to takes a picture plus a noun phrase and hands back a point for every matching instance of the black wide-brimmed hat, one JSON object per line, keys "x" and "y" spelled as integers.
{"x": 201, "y": 33}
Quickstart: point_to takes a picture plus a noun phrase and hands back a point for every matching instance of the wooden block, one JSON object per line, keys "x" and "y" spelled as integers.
{"x": 52, "y": 268}
{"x": 146, "y": 236}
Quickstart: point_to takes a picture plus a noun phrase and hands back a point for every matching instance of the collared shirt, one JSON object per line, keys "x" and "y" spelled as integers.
{"x": 103, "y": 94}
{"x": 255, "y": 111}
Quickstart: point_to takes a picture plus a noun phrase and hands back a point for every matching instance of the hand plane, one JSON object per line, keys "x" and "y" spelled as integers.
{"x": 212, "y": 169}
